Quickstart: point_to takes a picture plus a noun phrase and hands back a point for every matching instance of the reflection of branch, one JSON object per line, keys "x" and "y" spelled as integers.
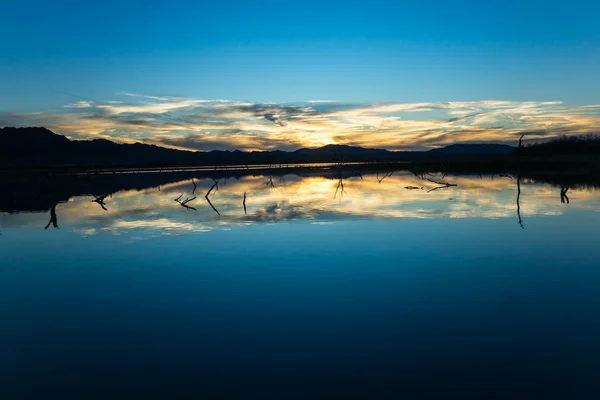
{"x": 184, "y": 202}
{"x": 519, "y": 182}
{"x": 270, "y": 181}
{"x": 244, "y": 202}
{"x": 519, "y": 202}
{"x": 213, "y": 207}
{"x": 505, "y": 176}
{"x": 385, "y": 176}
{"x": 100, "y": 200}
{"x": 194, "y": 183}
{"x": 340, "y": 185}
{"x": 443, "y": 185}
{"x": 208, "y": 193}
{"x": 563, "y": 194}
{"x": 53, "y": 218}
{"x": 216, "y": 185}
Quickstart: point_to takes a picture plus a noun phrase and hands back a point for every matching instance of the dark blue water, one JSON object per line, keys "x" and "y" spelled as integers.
{"x": 366, "y": 306}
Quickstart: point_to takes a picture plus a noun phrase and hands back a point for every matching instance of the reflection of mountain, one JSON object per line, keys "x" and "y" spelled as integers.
{"x": 37, "y": 147}
{"x": 39, "y": 192}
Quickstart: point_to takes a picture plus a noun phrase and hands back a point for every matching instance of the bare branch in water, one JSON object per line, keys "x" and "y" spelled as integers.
{"x": 388, "y": 174}
{"x": 519, "y": 202}
{"x": 340, "y": 185}
{"x": 100, "y": 200}
{"x": 185, "y": 202}
{"x": 216, "y": 185}
{"x": 53, "y": 218}
{"x": 193, "y": 183}
{"x": 177, "y": 199}
{"x": 519, "y": 182}
{"x": 505, "y": 176}
{"x": 413, "y": 187}
{"x": 213, "y": 207}
{"x": 270, "y": 181}
{"x": 208, "y": 200}
{"x": 443, "y": 185}
{"x": 563, "y": 194}
{"x": 244, "y": 202}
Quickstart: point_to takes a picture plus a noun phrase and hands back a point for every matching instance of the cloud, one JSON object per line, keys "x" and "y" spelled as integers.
{"x": 201, "y": 124}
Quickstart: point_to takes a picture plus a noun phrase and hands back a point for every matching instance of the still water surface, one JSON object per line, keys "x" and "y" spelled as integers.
{"x": 371, "y": 286}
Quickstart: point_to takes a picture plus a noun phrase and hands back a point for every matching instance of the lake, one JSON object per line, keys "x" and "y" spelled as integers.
{"x": 313, "y": 285}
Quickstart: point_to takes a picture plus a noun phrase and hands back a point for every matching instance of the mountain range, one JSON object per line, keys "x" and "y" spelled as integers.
{"x": 40, "y": 147}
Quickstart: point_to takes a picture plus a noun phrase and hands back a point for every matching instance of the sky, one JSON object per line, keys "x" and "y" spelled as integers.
{"x": 262, "y": 75}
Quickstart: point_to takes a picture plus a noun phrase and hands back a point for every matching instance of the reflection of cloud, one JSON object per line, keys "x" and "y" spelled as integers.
{"x": 151, "y": 213}
{"x": 201, "y": 124}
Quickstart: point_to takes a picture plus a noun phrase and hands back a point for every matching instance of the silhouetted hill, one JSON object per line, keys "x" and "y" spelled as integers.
{"x": 473, "y": 149}
{"x": 40, "y": 147}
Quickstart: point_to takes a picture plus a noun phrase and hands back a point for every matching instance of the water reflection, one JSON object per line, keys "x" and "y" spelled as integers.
{"x": 166, "y": 204}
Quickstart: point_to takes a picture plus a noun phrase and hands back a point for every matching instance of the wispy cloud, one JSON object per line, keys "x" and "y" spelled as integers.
{"x": 206, "y": 124}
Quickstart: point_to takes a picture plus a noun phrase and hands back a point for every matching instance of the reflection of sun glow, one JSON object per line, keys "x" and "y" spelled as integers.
{"x": 152, "y": 212}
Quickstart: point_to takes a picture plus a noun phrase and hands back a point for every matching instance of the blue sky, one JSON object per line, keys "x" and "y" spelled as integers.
{"x": 57, "y": 53}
